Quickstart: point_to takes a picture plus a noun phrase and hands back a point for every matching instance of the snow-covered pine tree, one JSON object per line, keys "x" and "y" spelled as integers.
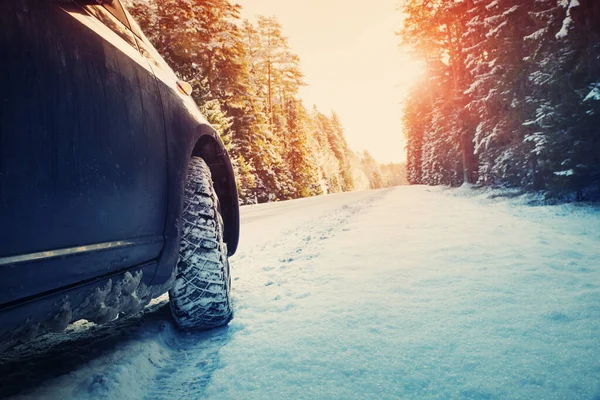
{"x": 372, "y": 171}
{"x": 566, "y": 98}
{"x": 322, "y": 130}
{"x": 499, "y": 89}
{"x": 434, "y": 30}
{"x": 416, "y": 120}
{"x": 299, "y": 156}
{"x": 340, "y": 148}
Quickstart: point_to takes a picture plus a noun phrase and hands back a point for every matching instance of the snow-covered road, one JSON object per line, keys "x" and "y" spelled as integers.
{"x": 404, "y": 293}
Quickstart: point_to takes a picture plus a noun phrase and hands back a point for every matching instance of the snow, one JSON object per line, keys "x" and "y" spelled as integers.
{"x": 539, "y": 139}
{"x": 537, "y": 35}
{"x": 564, "y": 30}
{"x": 567, "y": 172}
{"x": 411, "y": 292}
{"x": 495, "y": 30}
{"x": 594, "y": 94}
{"x": 510, "y": 11}
{"x": 492, "y": 4}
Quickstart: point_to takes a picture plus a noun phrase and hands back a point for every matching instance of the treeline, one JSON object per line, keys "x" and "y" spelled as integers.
{"x": 511, "y": 94}
{"x": 246, "y": 81}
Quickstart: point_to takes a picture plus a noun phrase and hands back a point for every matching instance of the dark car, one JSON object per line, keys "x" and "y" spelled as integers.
{"x": 114, "y": 189}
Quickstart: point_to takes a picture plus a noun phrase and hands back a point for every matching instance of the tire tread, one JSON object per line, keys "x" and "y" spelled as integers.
{"x": 200, "y": 297}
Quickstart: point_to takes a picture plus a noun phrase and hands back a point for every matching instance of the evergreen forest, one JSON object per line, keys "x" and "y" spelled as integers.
{"x": 510, "y": 95}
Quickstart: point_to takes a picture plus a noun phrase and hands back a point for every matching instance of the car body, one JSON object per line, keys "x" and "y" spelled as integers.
{"x": 96, "y": 133}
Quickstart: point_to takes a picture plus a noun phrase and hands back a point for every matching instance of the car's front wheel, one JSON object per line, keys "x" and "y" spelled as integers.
{"x": 200, "y": 297}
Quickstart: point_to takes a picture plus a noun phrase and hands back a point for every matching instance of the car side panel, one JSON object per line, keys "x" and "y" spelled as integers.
{"x": 82, "y": 144}
{"x": 99, "y": 301}
{"x": 182, "y": 123}
{"x": 186, "y": 128}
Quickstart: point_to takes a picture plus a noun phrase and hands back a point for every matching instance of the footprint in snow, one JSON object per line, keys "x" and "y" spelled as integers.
{"x": 556, "y": 316}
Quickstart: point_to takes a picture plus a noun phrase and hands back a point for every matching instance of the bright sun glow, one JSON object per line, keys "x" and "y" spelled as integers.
{"x": 411, "y": 70}
{"x": 352, "y": 63}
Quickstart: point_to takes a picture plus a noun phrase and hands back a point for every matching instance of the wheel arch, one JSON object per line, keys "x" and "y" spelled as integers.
{"x": 210, "y": 148}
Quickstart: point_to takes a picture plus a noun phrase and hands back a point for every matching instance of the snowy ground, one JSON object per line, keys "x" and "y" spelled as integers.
{"x": 406, "y": 293}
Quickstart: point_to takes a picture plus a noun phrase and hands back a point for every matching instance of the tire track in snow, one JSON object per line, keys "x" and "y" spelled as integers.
{"x": 87, "y": 361}
{"x": 282, "y": 266}
{"x": 194, "y": 357}
{"x": 266, "y": 268}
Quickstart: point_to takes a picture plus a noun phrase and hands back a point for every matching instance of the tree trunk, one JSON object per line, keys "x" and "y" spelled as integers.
{"x": 210, "y": 74}
{"x": 269, "y": 90}
{"x": 463, "y": 146}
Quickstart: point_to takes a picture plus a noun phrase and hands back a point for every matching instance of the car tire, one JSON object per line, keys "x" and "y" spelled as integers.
{"x": 200, "y": 297}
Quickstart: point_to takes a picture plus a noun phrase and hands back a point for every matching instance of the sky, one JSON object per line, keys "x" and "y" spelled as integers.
{"x": 352, "y": 63}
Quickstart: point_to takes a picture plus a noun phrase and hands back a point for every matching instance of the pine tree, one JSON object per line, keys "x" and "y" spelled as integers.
{"x": 300, "y": 158}
{"x": 338, "y": 144}
{"x": 440, "y": 148}
{"x": 565, "y": 80}
{"x": 372, "y": 171}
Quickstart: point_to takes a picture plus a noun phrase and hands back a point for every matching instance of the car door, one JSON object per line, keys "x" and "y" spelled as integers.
{"x": 188, "y": 129}
{"x": 82, "y": 147}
